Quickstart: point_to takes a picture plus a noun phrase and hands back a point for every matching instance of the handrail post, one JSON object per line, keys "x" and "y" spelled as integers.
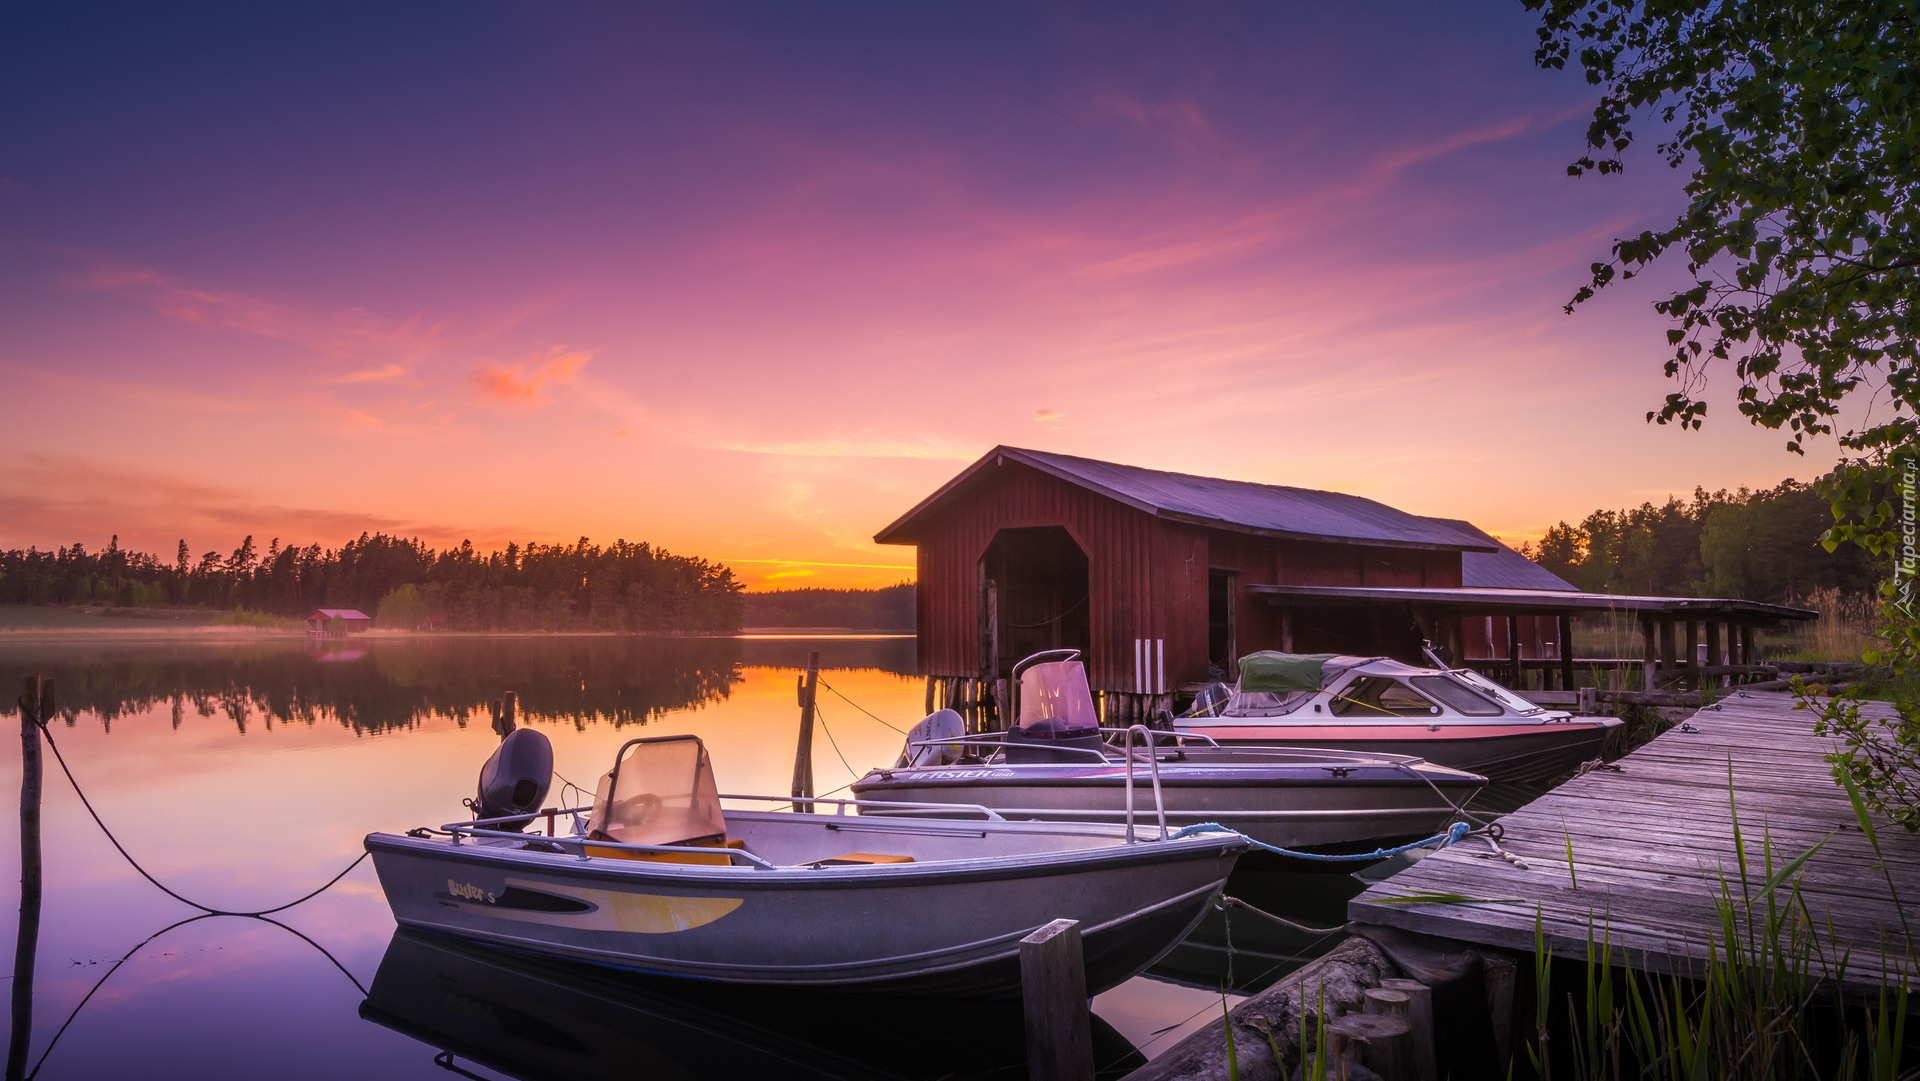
{"x": 1153, "y": 770}
{"x": 1126, "y": 749}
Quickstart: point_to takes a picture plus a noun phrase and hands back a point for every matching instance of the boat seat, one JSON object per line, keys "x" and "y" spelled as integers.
{"x": 708, "y": 858}
{"x": 1021, "y": 747}
{"x": 850, "y": 859}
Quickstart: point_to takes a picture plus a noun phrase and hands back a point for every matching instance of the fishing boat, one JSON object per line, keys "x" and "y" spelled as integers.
{"x": 660, "y": 879}
{"x": 1448, "y": 716}
{"x": 1058, "y": 764}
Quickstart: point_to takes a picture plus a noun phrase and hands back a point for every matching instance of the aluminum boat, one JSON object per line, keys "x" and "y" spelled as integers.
{"x": 660, "y": 879}
{"x": 1449, "y": 716}
{"x": 1057, "y": 764}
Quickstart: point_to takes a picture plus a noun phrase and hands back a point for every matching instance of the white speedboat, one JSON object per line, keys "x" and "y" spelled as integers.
{"x": 1057, "y": 764}
{"x": 662, "y": 880}
{"x": 1452, "y": 717}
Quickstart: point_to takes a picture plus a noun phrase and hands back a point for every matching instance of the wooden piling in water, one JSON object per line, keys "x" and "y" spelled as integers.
{"x": 1053, "y": 995}
{"x": 803, "y": 750}
{"x": 36, "y": 699}
{"x": 1425, "y": 1061}
{"x": 1389, "y": 1053}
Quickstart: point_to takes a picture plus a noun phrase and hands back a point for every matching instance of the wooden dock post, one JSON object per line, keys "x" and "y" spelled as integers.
{"x": 803, "y": 751}
{"x": 1426, "y": 1064}
{"x": 1392, "y": 1057}
{"x": 36, "y": 700}
{"x": 1714, "y": 657}
{"x": 1519, "y": 681}
{"x": 1053, "y": 993}
{"x": 1500, "y": 971}
{"x": 1374, "y": 1041}
{"x": 1566, "y": 653}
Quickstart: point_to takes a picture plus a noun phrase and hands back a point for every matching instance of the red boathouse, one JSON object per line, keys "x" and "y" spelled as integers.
{"x": 1164, "y": 579}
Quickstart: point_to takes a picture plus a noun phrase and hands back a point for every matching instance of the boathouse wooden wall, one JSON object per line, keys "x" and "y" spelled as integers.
{"x": 1147, "y": 577}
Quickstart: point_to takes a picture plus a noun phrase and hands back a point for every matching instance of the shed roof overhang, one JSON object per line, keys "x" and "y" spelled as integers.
{"x": 1324, "y": 517}
{"x": 1452, "y": 601}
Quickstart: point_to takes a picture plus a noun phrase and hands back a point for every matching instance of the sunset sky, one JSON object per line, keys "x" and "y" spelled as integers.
{"x": 748, "y": 281}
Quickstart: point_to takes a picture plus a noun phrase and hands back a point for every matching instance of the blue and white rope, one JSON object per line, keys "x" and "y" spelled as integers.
{"x": 1453, "y": 835}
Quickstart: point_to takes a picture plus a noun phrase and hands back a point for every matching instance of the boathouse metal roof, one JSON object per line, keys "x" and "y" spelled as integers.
{"x": 1502, "y": 568}
{"x": 1242, "y": 506}
{"x": 1533, "y": 601}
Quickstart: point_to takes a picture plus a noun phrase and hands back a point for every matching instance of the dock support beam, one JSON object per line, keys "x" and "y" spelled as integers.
{"x": 1519, "y": 680}
{"x": 1566, "y": 653}
{"x": 1669, "y": 659}
{"x": 1649, "y": 666}
{"x": 1053, "y": 992}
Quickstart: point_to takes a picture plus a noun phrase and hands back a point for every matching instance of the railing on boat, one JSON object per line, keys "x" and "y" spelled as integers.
{"x": 477, "y": 828}
{"x": 1128, "y": 755}
{"x": 1153, "y": 761}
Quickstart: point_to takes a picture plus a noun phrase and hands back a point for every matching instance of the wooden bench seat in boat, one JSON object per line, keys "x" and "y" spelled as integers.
{"x": 710, "y": 858}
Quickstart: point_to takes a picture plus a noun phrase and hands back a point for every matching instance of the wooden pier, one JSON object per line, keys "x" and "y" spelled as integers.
{"x": 1652, "y": 841}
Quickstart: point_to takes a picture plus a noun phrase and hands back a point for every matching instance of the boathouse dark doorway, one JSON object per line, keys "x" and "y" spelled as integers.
{"x": 1223, "y": 646}
{"x": 1033, "y": 596}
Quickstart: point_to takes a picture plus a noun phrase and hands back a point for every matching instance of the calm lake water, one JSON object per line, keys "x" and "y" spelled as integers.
{"x": 245, "y": 774}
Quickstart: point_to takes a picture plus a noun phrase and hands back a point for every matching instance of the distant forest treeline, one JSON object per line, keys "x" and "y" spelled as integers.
{"x": 402, "y": 582}
{"x": 1761, "y": 546}
{"x": 889, "y": 609}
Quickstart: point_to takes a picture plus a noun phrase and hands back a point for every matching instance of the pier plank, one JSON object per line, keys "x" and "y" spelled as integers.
{"x": 1653, "y": 847}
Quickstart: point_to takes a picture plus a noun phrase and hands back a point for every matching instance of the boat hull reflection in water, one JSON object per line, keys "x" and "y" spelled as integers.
{"x": 536, "y": 1018}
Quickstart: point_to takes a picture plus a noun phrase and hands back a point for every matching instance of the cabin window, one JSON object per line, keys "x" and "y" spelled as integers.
{"x": 1376, "y": 696}
{"x": 1455, "y": 696}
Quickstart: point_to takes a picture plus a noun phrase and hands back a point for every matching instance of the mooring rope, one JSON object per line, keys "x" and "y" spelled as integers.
{"x": 145, "y": 942}
{"x": 135, "y": 864}
{"x": 1453, "y": 834}
{"x": 855, "y": 705}
{"x": 1225, "y": 901}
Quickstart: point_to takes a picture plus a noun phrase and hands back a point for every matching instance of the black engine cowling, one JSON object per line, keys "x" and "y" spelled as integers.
{"x": 515, "y": 779}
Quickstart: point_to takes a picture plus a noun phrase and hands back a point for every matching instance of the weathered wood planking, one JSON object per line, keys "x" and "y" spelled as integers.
{"x": 1653, "y": 847}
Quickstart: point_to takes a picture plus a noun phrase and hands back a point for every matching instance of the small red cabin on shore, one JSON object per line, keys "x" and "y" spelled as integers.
{"x": 335, "y": 622}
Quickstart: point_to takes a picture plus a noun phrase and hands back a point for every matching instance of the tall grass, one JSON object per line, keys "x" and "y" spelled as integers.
{"x": 1847, "y": 628}
{"x": 1608, "y": 634}
{"x": 1763, "y": 1004}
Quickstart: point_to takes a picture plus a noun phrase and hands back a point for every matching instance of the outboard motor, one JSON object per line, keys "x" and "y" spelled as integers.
{"x": 516, "y": 778}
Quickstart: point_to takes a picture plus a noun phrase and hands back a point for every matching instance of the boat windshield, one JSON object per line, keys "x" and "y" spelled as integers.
{"x": 659, "y": 792}
{"x": 1498, "y": 693}
{"x": 1455, "y": 695}
{"x": 1378, "y": 696}
{"x": 1055, "y": 699}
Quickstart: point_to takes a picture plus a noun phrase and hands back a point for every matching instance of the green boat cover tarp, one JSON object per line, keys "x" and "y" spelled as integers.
{"x": 1275, "y": 672}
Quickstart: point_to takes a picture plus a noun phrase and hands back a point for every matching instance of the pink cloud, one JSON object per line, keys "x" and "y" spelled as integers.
{"x": 351, "y": 333}
{"x": 521, "y": 383}
{"x": 382, "y": 374}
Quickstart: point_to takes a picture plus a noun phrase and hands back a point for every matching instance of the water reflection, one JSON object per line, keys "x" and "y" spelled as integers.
{"x": 542, "y": 1019}
{"x": 1237, "y": 949}
{"x": 219, "y": 998}
{"x": 372, "y": 685}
